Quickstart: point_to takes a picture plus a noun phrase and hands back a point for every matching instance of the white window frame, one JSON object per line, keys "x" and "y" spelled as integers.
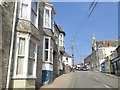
{"x": 52, "y": 21}
{"x": 28, "y": 12}
{"x": 25, "y": 66}
{"x": 37, "y": 14}
{"x": 61, "y": 38}
{"x": 35, "y": 61}
{"x": 28, "y": 4}
{"x": 50, "y": 12}
{"x": 51, "y": 50}
{"x": 45, "y": 37}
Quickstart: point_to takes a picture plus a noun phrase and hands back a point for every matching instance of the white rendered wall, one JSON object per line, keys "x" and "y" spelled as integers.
{"x": 47, "y": 66}
{"x": 69, "y": 61}
{"x": 106, "y": 52}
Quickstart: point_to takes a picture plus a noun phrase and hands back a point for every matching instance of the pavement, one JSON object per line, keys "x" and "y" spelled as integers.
{"x": 85, "y": 79}
{"x": 62, "y": 81}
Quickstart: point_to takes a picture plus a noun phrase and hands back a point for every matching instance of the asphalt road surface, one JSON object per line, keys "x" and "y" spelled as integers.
{"x": 90, "y": 79}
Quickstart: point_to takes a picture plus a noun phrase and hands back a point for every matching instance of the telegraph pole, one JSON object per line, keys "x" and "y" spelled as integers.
{"x": 73, "y": 50}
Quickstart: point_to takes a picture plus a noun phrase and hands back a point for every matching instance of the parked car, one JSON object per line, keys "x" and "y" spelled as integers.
{"x": 84, "y": 68}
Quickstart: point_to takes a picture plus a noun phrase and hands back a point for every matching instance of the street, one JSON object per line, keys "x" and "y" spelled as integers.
{"x": 43, "y": 42}
{"x": 85, "y": 79}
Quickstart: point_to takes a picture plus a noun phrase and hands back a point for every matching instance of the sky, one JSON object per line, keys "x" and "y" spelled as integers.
{"x": 74, "y": 20}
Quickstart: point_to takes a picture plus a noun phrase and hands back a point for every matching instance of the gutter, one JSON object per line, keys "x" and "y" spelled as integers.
{"x": 11, "y": 47}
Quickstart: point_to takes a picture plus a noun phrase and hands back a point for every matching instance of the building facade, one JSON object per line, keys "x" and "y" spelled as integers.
{"x": 68, "y": 62}
{"x": 103, "y": 49}
{"x": 100, "y": 51}
{"x": 60, "y": 34}
{"x": 29, "y": 47}
{"x": 112, "y": 63}
{"x": 87, "y": 61}
{"x": 50, "y": 47}
{"x": 22, "y": 37}
{"x": 91, "y": 61}
{"x": 115, "y": 61}
{"x": 103, "y": 53}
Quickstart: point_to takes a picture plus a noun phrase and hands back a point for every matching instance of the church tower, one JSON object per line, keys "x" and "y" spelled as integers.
{"x": 94, "y": 46}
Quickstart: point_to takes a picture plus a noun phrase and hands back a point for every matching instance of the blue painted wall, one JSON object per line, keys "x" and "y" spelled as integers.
{"x": 47, "y": 76}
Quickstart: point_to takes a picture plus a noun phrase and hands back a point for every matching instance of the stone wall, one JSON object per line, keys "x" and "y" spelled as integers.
{"x": 67, "y": 69}
{"x": 40, "y": 48}
{"x": 22, "y": 26}
{"x": 0, "y": 47}
{"x": 37, "y": 34}
{"x": 55, "y": 65}
{"x": 7, "y": 15}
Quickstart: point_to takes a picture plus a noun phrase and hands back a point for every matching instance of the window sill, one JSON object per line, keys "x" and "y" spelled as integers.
{"x": 48, "y": 28}
{"x": 23, "y": 18}
{"x": 22, "y": 77}
{"x": 48, "y": 62}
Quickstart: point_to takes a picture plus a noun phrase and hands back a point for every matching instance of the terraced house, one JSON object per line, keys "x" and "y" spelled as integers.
{"x": 48, "y": 43}
{"x": 60, "y": 34}
{"x": 28, "y": 44}
{"x": 100, "y": 51}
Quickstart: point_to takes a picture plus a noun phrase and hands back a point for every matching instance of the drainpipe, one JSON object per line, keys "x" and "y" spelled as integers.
{"x": 11, "y": 47}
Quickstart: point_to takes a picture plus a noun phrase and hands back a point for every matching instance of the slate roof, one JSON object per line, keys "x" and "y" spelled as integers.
{"x": 67, "y": 55}
{"x": 107, "y": 43}
{"x": 61, "y": 30}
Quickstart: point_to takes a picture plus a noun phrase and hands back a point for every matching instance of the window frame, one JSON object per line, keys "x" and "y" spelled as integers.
{"x": 18, "y": 55}
{"x": 35, "y": 58}
{"x": 21, "y": 3}
{"x": 67, "y": 59}
{"x": 50, "y": 50}
{"x": 29, "y": 11}
{"x": 49, "y": 18}
{"x": 45, "y": 37}
{"x": 26, "y": 59}
{"x": 52, "y": 21}
{"x": 61, "y": 41}
{"x": 35, "y": 13}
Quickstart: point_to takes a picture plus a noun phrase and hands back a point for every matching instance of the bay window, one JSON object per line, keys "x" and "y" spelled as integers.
{"x": 61, "y": 41}
{"x": 46, "y": 52}
{"x": 51, "y": 50}
{"x": 29, "y": 11}
{"x": 21, "y": 56}
{"x": 47, "y": 18}
{"x": 51, "y": 55}
{"x": 25, "y": 57}
{"x": 23, "y": 9}
{"x": 32, "y": 57}
{"x": 34, "y": 13}
{"x": 52, "y": 21}
{"x": 48, "y": 21}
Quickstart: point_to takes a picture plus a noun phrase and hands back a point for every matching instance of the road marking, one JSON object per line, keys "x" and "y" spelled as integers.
{"x": 96, "y": 78}
{"x": 103, "y": 83}
{"x": 106, "y": 86}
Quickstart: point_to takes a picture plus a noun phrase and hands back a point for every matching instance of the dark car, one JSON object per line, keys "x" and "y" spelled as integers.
{"x": 84, "y": 68}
